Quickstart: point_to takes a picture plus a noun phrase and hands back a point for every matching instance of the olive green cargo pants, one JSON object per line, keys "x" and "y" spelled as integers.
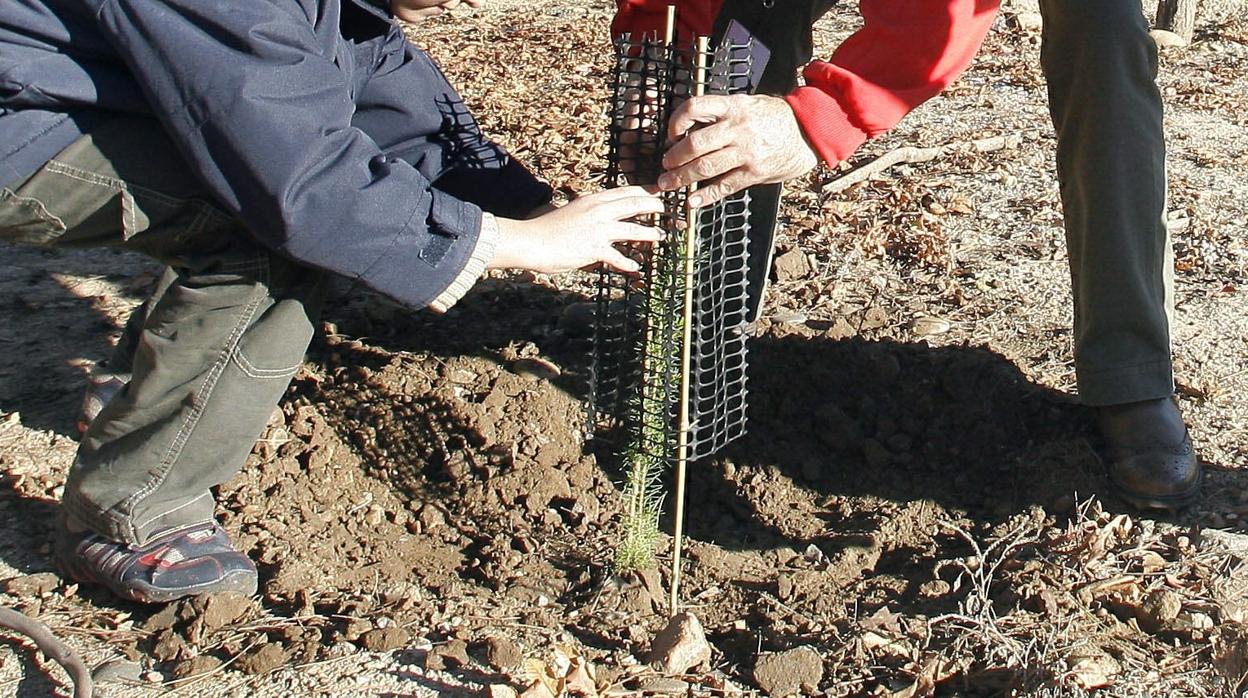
{"x": 1100, "y": 65}
{"x": 212, "y": 350}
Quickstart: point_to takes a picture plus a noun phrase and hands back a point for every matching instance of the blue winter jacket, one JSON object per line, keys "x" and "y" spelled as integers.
{"x": 335, "y": 141}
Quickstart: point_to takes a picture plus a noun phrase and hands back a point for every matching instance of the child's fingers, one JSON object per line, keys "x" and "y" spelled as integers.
{"x": 618, "y": 193}
{"x": 618, "y": 261}
{"x": 633, "y": 232}
{"x": 628, "y": 207}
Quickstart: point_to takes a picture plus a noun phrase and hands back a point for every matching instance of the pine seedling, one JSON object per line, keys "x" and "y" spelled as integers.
{"x": 668, "y": 371}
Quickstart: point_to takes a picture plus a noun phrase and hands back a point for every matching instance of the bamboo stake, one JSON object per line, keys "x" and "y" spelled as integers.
{"x": 682, "y": 457}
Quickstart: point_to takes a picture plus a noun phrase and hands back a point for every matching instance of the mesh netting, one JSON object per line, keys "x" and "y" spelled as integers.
{"x": 640, "y": 334}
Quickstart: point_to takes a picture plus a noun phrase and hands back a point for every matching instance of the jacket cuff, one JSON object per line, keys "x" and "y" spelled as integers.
{"x": 826, "y": 124}
{"x": 487, "y": 244}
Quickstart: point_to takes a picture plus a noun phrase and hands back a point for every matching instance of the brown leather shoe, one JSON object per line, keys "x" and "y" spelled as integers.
{"x": 1149, "y": 456}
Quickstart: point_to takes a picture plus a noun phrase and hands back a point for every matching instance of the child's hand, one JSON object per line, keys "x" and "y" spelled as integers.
{"x": 416, "y": 11}
{"x": 579, "y": 234}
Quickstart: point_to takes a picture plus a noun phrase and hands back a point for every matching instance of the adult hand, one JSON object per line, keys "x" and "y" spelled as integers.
{"x": 416, "y": 11}
{"x": 581, "y": 233}
{"x": 739, "y": 141}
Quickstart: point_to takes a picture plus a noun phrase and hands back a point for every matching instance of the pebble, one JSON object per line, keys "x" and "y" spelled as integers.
{"x": 798, "y": 670}
{"x": 117, "y": 671}
{"x": 681, "y": 645}
{"x": 664, "y": 686}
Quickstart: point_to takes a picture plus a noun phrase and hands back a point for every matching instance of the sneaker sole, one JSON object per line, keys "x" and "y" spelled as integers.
{"x": 240, "y": 582}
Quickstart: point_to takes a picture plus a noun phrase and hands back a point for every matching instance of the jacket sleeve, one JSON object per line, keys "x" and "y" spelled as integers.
{"x": 254, "y": 97}
{"x": 905, "y": 53}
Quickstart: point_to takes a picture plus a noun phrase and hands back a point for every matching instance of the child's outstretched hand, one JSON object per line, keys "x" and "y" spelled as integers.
{"x": 579, "y": 234}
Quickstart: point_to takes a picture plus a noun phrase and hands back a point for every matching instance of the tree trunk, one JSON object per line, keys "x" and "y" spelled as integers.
{"x": 1178, "y": 16}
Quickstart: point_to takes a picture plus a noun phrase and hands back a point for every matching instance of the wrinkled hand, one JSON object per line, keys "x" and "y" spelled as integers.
{"x": 579, "y": 234}
{"x": 740, "y": 141}
{"x": 416, "y": 11}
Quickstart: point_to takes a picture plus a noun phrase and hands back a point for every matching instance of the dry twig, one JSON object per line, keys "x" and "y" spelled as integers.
{"x": 52, "y": 647}
{"x": 912, "y": 154}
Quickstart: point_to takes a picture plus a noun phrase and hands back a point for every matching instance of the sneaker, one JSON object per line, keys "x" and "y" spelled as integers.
{"x": 184, "y": 562}
{"x": 101, "y": 387}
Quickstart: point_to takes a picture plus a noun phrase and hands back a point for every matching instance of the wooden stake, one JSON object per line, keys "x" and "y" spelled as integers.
{"x": 682, "y": 453}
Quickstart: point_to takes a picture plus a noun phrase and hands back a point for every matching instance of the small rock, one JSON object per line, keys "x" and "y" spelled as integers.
{"x": 934, "y": 588}
{"x": 794, "y": 318}
{"x": 663, "y": 686}
{"x": 841, "y": 329}
{"x": 681, "y": 645}
{"x": 1095, "y": 669}
{"x": 784, "y": 587}
{"x": 356, "y": 627}
{"x": 927, "y": 326}
{"x": 195, "y": 666}
{"x": 219, "y": 610}
{"x": 1167, "y": 39}
{"x": 32, "y": 585}
{"x": 1160, "y": 607}
{"x": 384, "y": 639}
{"x": 786, "y": 673}
{"x": 264, "y": 659}
{"x": 1028, "y": 22}
{"x": 162, "y": 619}
{"x": 791, "y": 265}
{"x": 451, "y": 655}
{"x": 501, "y": 690}
{"x": 536, "y": 367}
{"x": 501, "y": 653}
{"x": 117, "y": 671}
{"x": 169, "y": 645}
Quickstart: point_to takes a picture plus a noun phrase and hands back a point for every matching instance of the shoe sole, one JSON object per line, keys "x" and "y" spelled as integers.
{"x": 240, "y": 582}
{"x": 1170, "y": 502}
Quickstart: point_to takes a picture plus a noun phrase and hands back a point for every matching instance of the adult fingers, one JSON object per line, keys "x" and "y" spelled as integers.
{"x": 699, "y": 142}
{"x": 727, "y": 185}
{"x": 697, "y": 110}
{"x": 703, "y": 168}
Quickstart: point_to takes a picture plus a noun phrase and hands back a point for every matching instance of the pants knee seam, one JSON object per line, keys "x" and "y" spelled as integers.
{"x": 192, "y": 419}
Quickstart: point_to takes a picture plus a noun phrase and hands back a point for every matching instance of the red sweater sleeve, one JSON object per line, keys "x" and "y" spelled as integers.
{"x": 905, "y": 53}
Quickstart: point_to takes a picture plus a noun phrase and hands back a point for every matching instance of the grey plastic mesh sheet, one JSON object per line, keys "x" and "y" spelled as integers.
{"x": 639, "y": 330}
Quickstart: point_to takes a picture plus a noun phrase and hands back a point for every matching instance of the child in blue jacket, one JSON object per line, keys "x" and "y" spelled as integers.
{"x": 254, "y": 148}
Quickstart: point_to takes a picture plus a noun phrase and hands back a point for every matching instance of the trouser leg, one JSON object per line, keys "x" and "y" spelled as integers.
{"x": 217, "y": 348}
{"x": 785, "y": 28}
{"x": 1100, "y": 65}
{"x": 122, "y": 359}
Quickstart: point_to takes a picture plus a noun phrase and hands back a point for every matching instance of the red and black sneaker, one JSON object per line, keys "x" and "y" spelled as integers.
{"x": 180, "y": 563}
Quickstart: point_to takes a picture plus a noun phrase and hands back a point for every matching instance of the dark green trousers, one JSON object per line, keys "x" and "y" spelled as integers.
{"x": 210, "y": 353}
{"x": 1100, "y": 65}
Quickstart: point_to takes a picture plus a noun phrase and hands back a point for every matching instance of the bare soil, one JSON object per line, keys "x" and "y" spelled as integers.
{"x": 919, "y": 500}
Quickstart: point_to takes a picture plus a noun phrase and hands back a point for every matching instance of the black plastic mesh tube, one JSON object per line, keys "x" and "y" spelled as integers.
{"x": 639, "y": 320}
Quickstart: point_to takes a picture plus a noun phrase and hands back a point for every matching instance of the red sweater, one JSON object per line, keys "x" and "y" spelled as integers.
{"x": 906, "y": 52}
